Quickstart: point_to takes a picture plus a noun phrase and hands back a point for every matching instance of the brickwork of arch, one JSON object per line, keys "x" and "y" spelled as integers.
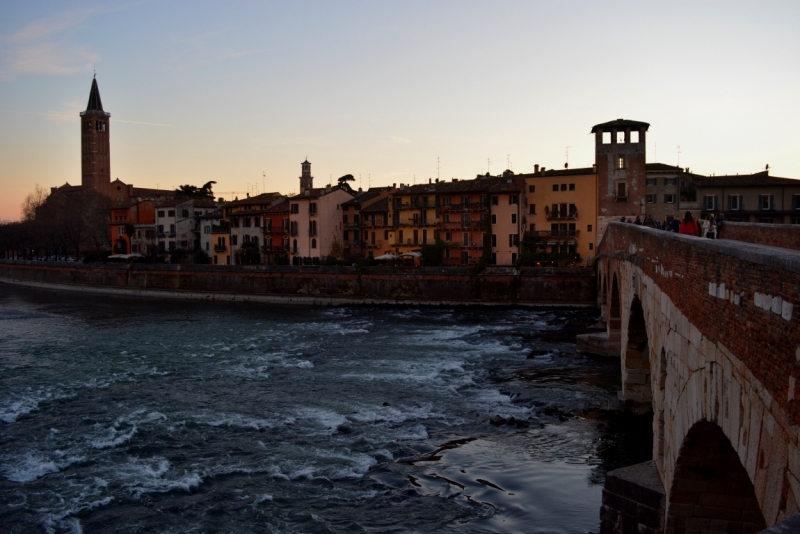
{"x": 697, "y": 380}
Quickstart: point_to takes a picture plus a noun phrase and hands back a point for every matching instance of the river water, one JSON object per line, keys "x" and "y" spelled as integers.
{"x": 126, "y": 415}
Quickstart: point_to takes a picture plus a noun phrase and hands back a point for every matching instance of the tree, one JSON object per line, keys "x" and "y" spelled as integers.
{"x": 33, "y": 202}
{"x": 343, "y": 182}
{"x": 201, "y": 193}
{"x": 248, "y": 254}
{"x": 337, "y": 251}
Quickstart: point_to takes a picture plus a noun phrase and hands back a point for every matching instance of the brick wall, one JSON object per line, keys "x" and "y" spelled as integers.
{"x": 740, "y": 295}
{"x": 775, "y": 235}
{"x": 545, "y": 285}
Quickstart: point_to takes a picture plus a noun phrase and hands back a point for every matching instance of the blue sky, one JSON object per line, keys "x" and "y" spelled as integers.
{"x": 202, "y": 91}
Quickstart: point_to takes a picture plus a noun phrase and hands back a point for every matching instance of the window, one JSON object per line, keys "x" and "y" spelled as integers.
{"x": 710, "y": 202}
{"x": 294, "y": 246}
{"x": 247, "y": 238}
{"x": 796, "y": 202}
{"x": 206, "y": 229}
{"x": 621, "y": 138}
{"x": 588, "y": 227}
{"x": 572, "y": 187}
{"x": 735, "y": 203}
{"x": 171, "y": 213}
{"x": 344, "y": 218}
{"x": 465, "y": 239}
{"x": 295, "y": 208}
{"x": 464, "y": 257}
{"x": 634, "y": 136}
{"x": 555, "y": 187}
{"x": 513, "y": 240}
{"x": 246, "y": 222}
{"x": 531, "y": 189}
{"x": 446, "y": 218}
{"x": 447, "y": 253}
{"x": 424, "y": 236}
{"x": 386, "y": 235}
{"x": 445, "y": 201}
{"x": 400, "y": 237}
{"x": 513, "y": 199}
{"x": 669, "y": 199}
{"x": 235, "y": 222}
{"x": 532, "y": 209}
{"x": 185, "y": 214}
{"x": 651, "y": 181}
{"x": 621, "y": 162}
{"x": 766, "y": 202}
{"x": 494, "y": 218}
{"x": 670, "y": 181}
{"x": 465, "y": 201}
{"x": 234, "y": 239}
{"x": 513, "y": 258}
{"x": 172, "y": 228}
{"x": 313, "y": 243}
{"x": 532, "y": 227}
{"x": 622, "y": 191}
{"x": 563, "y": 187}
{"x": 573, "y": 210}
{"x": 650, "y": 199}
{"x": 465, "y": 219}
{"x": 493, "y": 260}
{"x": 312, "y": 208}
{"x": 448, "y": 236}
{"x": 606, "y": 139}
{"x": 513, "y": 218}
{"x": 120, "y": 230}
{"x": 312, "y": 228}
{"x": 591, "y": 246}
{"x": 494, "y": 240}
{"x": 161, "y": 213}
{"x": 160, "y": 228}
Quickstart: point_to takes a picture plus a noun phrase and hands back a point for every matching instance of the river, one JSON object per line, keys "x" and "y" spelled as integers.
{"x": 126, "y": 415}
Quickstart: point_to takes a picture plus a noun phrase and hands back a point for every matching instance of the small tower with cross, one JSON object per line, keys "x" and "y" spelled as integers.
{"x": 306, "y": 180}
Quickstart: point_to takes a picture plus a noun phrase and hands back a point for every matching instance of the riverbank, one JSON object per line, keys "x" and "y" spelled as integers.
{"x": 326, "y": 286}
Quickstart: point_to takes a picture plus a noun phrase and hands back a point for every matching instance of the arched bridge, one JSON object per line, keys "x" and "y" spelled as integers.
{"x": 708, "y": 336}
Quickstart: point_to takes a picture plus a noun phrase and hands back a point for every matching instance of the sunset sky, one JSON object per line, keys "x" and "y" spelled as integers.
{"x": 202, "y": 91}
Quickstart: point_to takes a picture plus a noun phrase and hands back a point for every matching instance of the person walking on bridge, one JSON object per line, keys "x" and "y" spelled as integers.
{"x": 710, "y": 227}
{"x": 689, "y": 225}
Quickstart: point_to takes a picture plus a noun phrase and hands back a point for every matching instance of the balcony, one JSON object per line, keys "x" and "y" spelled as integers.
{"x": 277, "y": 231}
{"x": 376, "y": 244}
{"x": 622, "y": 198}
{"x": 560, "y": 215}
{"x": 220, "y": 248}
{"x": 466, "y": 225}
{"x": 473, "y": 206}
{"x": 352, "y": 225}
{"x": 277, "y": 249}
{"x": 549, "y": 234}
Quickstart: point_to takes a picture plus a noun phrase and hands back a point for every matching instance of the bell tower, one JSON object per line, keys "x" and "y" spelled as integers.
{"x": 620, "y": 153}
{"x": 95, "y": 150}
{"x": 306, "y": 180}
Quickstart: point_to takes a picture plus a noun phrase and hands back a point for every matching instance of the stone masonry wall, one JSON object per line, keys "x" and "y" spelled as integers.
{"x": 775, "y": 235}
{"x": 556, "y": 286}
{"x": 724, "y": 347}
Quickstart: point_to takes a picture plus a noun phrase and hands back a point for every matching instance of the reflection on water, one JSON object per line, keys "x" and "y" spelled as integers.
{"x": 123, "y": 415}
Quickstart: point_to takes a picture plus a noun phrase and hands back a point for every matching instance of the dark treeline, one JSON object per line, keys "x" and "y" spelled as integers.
{"x": 59, "y": 225}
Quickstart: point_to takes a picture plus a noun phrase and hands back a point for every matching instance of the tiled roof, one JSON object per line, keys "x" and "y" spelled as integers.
{"x": 483, "y": 184}
{"x": 619, "y": 124}
{"x": 744, "y": 180}
{"x": 582, "y": 171}
{"x": 380, "y": 206}
{"x": 263, "y": 198}
{"x": 280, "y": 207}
{"x": 658, "y": 167}
{"x": 316, "y": 192}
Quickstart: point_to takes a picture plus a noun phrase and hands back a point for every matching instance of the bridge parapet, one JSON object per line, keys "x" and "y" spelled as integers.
{"x": 708, "y": 335}
{"x": 775, "y": 235}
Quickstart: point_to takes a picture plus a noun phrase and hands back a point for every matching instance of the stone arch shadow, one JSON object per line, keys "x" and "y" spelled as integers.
{"x": 711, "y": 490}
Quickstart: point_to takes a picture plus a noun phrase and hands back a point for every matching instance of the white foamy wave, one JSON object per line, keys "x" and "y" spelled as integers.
{"x": 264, "y": 497}
{"x": 305, "y": 364}
{"x": 154, "y": 475}
{"x": 28, "y": 468}
{"x": 323, "y": 417}
{"x": 124, "y": 428}
{"x": 414, "y": 433}
{"x": 217, "y": 419}
{"x": 25, "y": 402}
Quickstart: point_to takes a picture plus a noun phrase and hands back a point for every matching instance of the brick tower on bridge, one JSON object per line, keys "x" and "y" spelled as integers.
{"x": 620, "y": 154}
{"x": 95, "y": 150}
{"x": 306, "y": 180}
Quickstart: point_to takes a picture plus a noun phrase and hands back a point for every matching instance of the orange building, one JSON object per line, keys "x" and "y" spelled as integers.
{"x": 133, "y": 228}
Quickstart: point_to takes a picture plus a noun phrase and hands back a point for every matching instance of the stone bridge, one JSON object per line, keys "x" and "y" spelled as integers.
{"x": 708, "y": 335}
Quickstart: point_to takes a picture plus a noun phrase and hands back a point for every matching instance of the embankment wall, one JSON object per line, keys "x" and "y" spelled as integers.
{"x": 556, "y": 286}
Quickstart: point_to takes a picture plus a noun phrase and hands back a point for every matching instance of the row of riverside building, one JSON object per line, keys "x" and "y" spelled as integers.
{"x": 498, "y": 218}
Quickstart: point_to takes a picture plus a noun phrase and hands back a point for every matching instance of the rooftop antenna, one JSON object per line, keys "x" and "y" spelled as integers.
{"x": 415, "y": 179}
{"x": 359, "y": 181}
{"x": 656, "y": 151}
{"x": 264, "y": 180}
{"x": 369, "y": 181}
{"x": 679, "y": 155}
{"x": 568, "y": 155}
{"x": 488, "y": 166}
{"x": 438, "y": 168}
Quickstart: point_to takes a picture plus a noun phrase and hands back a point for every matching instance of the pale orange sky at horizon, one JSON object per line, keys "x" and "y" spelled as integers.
{"x": 242, "y": 94}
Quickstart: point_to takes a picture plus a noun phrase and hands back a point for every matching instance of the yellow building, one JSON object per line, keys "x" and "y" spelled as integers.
{"x": 412, "y": 215}
{"x": 562, "y": 211}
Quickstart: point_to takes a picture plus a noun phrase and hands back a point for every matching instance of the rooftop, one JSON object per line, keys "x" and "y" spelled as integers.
{"x": 619, "y": 124}
{"x": 744, "y": 180}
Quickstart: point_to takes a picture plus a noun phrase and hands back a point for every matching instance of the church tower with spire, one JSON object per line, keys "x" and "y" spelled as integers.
{"x": 306, "y": 180}
{"x": 95, "y": 152}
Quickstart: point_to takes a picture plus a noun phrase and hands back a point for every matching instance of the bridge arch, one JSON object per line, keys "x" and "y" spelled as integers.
{"x": 702, "y": 310}
{"x": 711, "y": 490}
{"x": 636, "y": 381}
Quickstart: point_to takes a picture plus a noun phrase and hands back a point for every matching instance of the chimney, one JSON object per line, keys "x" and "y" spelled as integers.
{"x": 394, "y": 186}
{"x": 594, "y": 167}
{"x": 430, "y": 180}
{"x": 542, "y": 170}
{"x": 437, "y": 180}
{"x": 536, "y": 169}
